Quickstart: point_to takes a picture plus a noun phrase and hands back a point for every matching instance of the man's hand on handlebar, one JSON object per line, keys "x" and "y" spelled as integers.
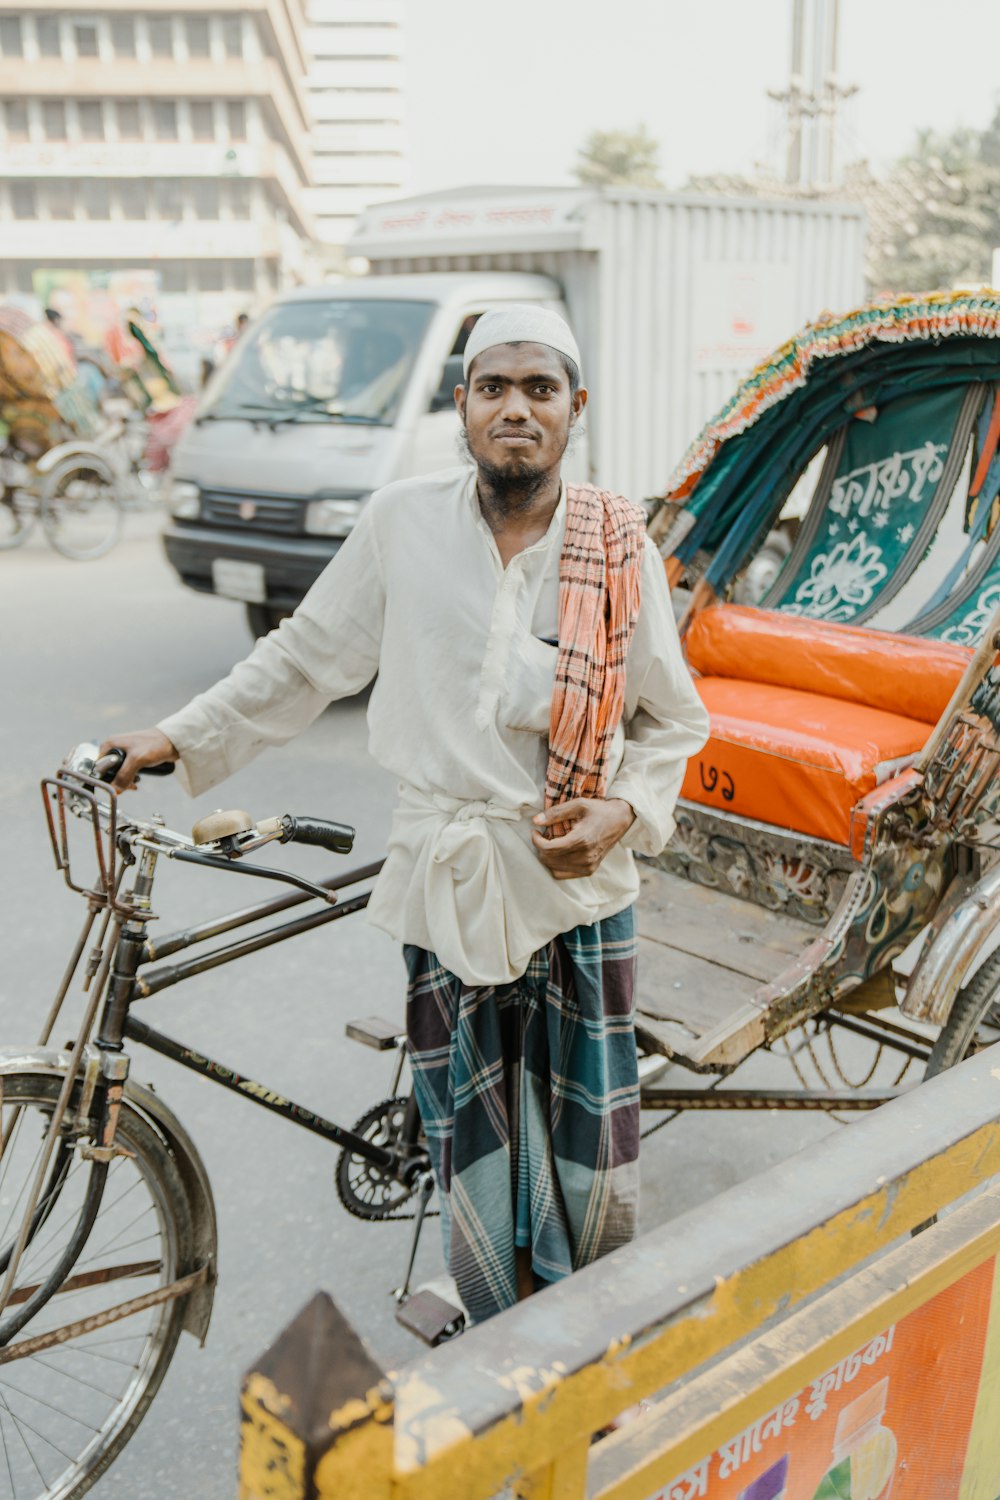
{"x": 143, "y": 747}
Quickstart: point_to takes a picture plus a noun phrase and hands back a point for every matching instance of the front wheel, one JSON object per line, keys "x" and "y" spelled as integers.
{"x": 77, "y": 1379}
{"x": 81, "y": 512}
{"x": 974, "y": 1022}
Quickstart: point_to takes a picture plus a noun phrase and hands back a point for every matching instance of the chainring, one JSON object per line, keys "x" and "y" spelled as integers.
{"x": 364, "y": 1189}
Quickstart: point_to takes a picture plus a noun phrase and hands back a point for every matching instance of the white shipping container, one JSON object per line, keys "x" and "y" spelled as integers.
{"x": 673, "y": 298}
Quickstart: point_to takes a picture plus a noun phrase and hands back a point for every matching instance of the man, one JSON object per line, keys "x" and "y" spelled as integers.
{"x": 528, "y": 771}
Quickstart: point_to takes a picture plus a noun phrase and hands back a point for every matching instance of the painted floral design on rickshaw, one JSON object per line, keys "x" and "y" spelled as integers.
{"x": 841, "y": 581}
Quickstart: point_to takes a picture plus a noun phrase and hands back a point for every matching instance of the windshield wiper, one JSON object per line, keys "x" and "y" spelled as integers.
{"x": 317, "y": 410}
{"x": 311, "y": 405}
{"x": 247, "y": 411}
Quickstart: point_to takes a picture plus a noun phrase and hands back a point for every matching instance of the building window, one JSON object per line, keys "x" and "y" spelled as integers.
{"x": 15, "y": 115}
{"x": 173, "y": 276}
{"x": 96, "y": 195}
{"x": 85, "y": 37}
{"x": 208, "y": 276}
{"x": 132, "y": 198}
{"x": 205, "y": 197}
{"x": 232, "y": 35}
{"x": 23, "y": 202}
{"x": 54, "y": 119}
{"x": 168, "y": 199}
{"x": 241, "y": 272}
{"x": 59, "y": 198}
{"x": 127, "y": 118}
{"x": 11, "y": 42}
{"x": 202, "y": 120}
{"x": 123, "y": 36}
{"x": 47, "y": 32}
{"x": 236, "y": 120}
{"x": 196, "y": 31}
{"x": 238, "y": 197}
{"x": 91, "y": 119}
{"x": 161, "y": 36}
{"x": 165, "y": 119}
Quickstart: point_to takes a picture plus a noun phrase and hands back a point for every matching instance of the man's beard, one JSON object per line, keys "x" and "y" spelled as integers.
{"x": 512, "y": 487}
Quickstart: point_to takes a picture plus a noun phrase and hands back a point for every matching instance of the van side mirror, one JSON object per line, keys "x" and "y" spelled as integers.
{"x": 444, "y": 397}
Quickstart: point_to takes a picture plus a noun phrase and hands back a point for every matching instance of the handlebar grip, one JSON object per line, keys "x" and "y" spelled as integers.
{"x": 337, "y": 837}
{"x": 115, "y": 758}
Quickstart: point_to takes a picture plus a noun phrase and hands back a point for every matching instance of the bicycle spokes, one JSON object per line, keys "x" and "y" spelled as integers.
{"x": 76, "y": 1377}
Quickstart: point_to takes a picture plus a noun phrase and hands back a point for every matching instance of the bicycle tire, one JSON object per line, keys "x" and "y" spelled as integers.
{"x": 973, "y": 1003}
{"x": 16, "y": 525}
{"x": 35, "y": 1381}
{"x": 81, "y": 513}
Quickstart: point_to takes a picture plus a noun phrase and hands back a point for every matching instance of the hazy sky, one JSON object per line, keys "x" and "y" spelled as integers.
{"x": 506, "y": 92}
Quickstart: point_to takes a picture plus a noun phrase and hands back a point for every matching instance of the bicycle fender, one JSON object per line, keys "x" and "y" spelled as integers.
{"x": 55, "y": 456}
{"x": 198, "y": 1311}
{"x": 959, "y": 946}
{"x": 189, "y": 1164}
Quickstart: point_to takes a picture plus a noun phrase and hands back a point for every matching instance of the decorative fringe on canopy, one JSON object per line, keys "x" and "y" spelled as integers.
{"x": 917, "y": 317}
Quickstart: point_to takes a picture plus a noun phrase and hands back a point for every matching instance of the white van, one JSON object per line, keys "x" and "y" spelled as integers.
{"x": 335, "y": 391}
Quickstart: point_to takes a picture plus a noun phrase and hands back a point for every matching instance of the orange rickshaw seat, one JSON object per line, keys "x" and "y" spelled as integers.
{"x": 809, "y": 717}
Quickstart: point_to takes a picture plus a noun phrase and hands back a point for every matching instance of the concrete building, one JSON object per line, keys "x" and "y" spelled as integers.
{"x": 136, "y": 137}
{"x": 355, "y": 89}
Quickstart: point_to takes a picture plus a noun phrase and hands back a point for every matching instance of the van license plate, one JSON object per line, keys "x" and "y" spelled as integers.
{"x": 239, "y": 580}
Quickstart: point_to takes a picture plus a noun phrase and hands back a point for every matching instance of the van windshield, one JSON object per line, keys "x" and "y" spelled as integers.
{"x": 328, "y": 360}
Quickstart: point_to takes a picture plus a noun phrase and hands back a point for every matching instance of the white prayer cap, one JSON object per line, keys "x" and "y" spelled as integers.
{"x": 520, "y": 323}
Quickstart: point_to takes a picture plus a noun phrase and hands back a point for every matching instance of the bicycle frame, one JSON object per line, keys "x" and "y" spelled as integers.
{"x": 163, "y": 976}
{"x": 124, "y": 947}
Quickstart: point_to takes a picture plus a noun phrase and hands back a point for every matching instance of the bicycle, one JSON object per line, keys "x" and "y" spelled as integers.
{"x": 107, "y": 1220}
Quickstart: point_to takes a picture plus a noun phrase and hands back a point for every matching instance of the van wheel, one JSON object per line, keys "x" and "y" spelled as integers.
{"x": 262, "y": 618}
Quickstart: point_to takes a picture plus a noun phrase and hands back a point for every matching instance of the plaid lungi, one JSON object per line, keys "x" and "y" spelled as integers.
{"x": 529, "y": 1096}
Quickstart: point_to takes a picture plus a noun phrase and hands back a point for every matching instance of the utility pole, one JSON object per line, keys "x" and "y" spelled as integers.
{"x": 814, "y": 94}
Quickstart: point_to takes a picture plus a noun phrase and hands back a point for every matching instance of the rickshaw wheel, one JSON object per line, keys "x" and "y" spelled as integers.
{"x": 974, "y": 1022}
{"x": 16, "y": 520}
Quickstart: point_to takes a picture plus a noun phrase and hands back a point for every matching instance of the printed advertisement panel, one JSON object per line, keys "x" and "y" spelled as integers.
{"x": 894, "y": 1420}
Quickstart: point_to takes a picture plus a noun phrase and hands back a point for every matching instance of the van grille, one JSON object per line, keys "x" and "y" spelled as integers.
{"x": 271, "y": 512}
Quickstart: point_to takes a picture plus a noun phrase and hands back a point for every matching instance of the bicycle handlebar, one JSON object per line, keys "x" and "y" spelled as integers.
{"x": 337, "y": 837}
{"x": 107, "y": 768}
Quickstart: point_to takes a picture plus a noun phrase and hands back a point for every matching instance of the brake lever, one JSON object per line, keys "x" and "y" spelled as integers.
{"x": 213, "y": 862}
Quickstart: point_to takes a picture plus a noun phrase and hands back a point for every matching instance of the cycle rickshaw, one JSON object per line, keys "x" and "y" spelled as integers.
{"x": 843, "y": 812}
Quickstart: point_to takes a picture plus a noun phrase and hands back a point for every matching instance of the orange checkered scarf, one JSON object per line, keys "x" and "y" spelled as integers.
{"x": 598, "y": 604}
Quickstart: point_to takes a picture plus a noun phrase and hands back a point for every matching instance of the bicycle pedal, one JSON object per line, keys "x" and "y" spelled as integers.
{"x": 372, "y": 1031}
{"x": 431, "y": 1318}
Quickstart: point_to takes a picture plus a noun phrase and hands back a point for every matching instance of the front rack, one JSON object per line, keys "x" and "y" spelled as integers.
{"x": 74, "y": 794}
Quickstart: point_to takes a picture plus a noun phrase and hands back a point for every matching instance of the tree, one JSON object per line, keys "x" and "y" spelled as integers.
{"x": 933, "y": 217}
{"x": 619, "y": 158}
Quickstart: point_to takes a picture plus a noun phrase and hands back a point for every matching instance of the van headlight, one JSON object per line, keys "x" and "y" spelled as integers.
{"x": 333, "y": 517}
{"x": 184, "y": 500}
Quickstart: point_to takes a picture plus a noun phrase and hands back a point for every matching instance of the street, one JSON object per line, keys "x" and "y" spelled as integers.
{"x": 91, "y": 648}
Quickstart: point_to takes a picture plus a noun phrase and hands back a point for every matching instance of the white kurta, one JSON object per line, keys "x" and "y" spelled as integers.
{"x": 460, "y": 714}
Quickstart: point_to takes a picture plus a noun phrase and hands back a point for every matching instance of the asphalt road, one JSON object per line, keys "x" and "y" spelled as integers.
{"x": 90, "y": 648}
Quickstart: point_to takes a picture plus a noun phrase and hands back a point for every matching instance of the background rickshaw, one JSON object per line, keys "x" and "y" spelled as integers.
{"x": 72, "y": 448}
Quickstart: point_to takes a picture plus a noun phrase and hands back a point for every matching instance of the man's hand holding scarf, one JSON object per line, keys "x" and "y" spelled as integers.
{"x": 583, "y": 830}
